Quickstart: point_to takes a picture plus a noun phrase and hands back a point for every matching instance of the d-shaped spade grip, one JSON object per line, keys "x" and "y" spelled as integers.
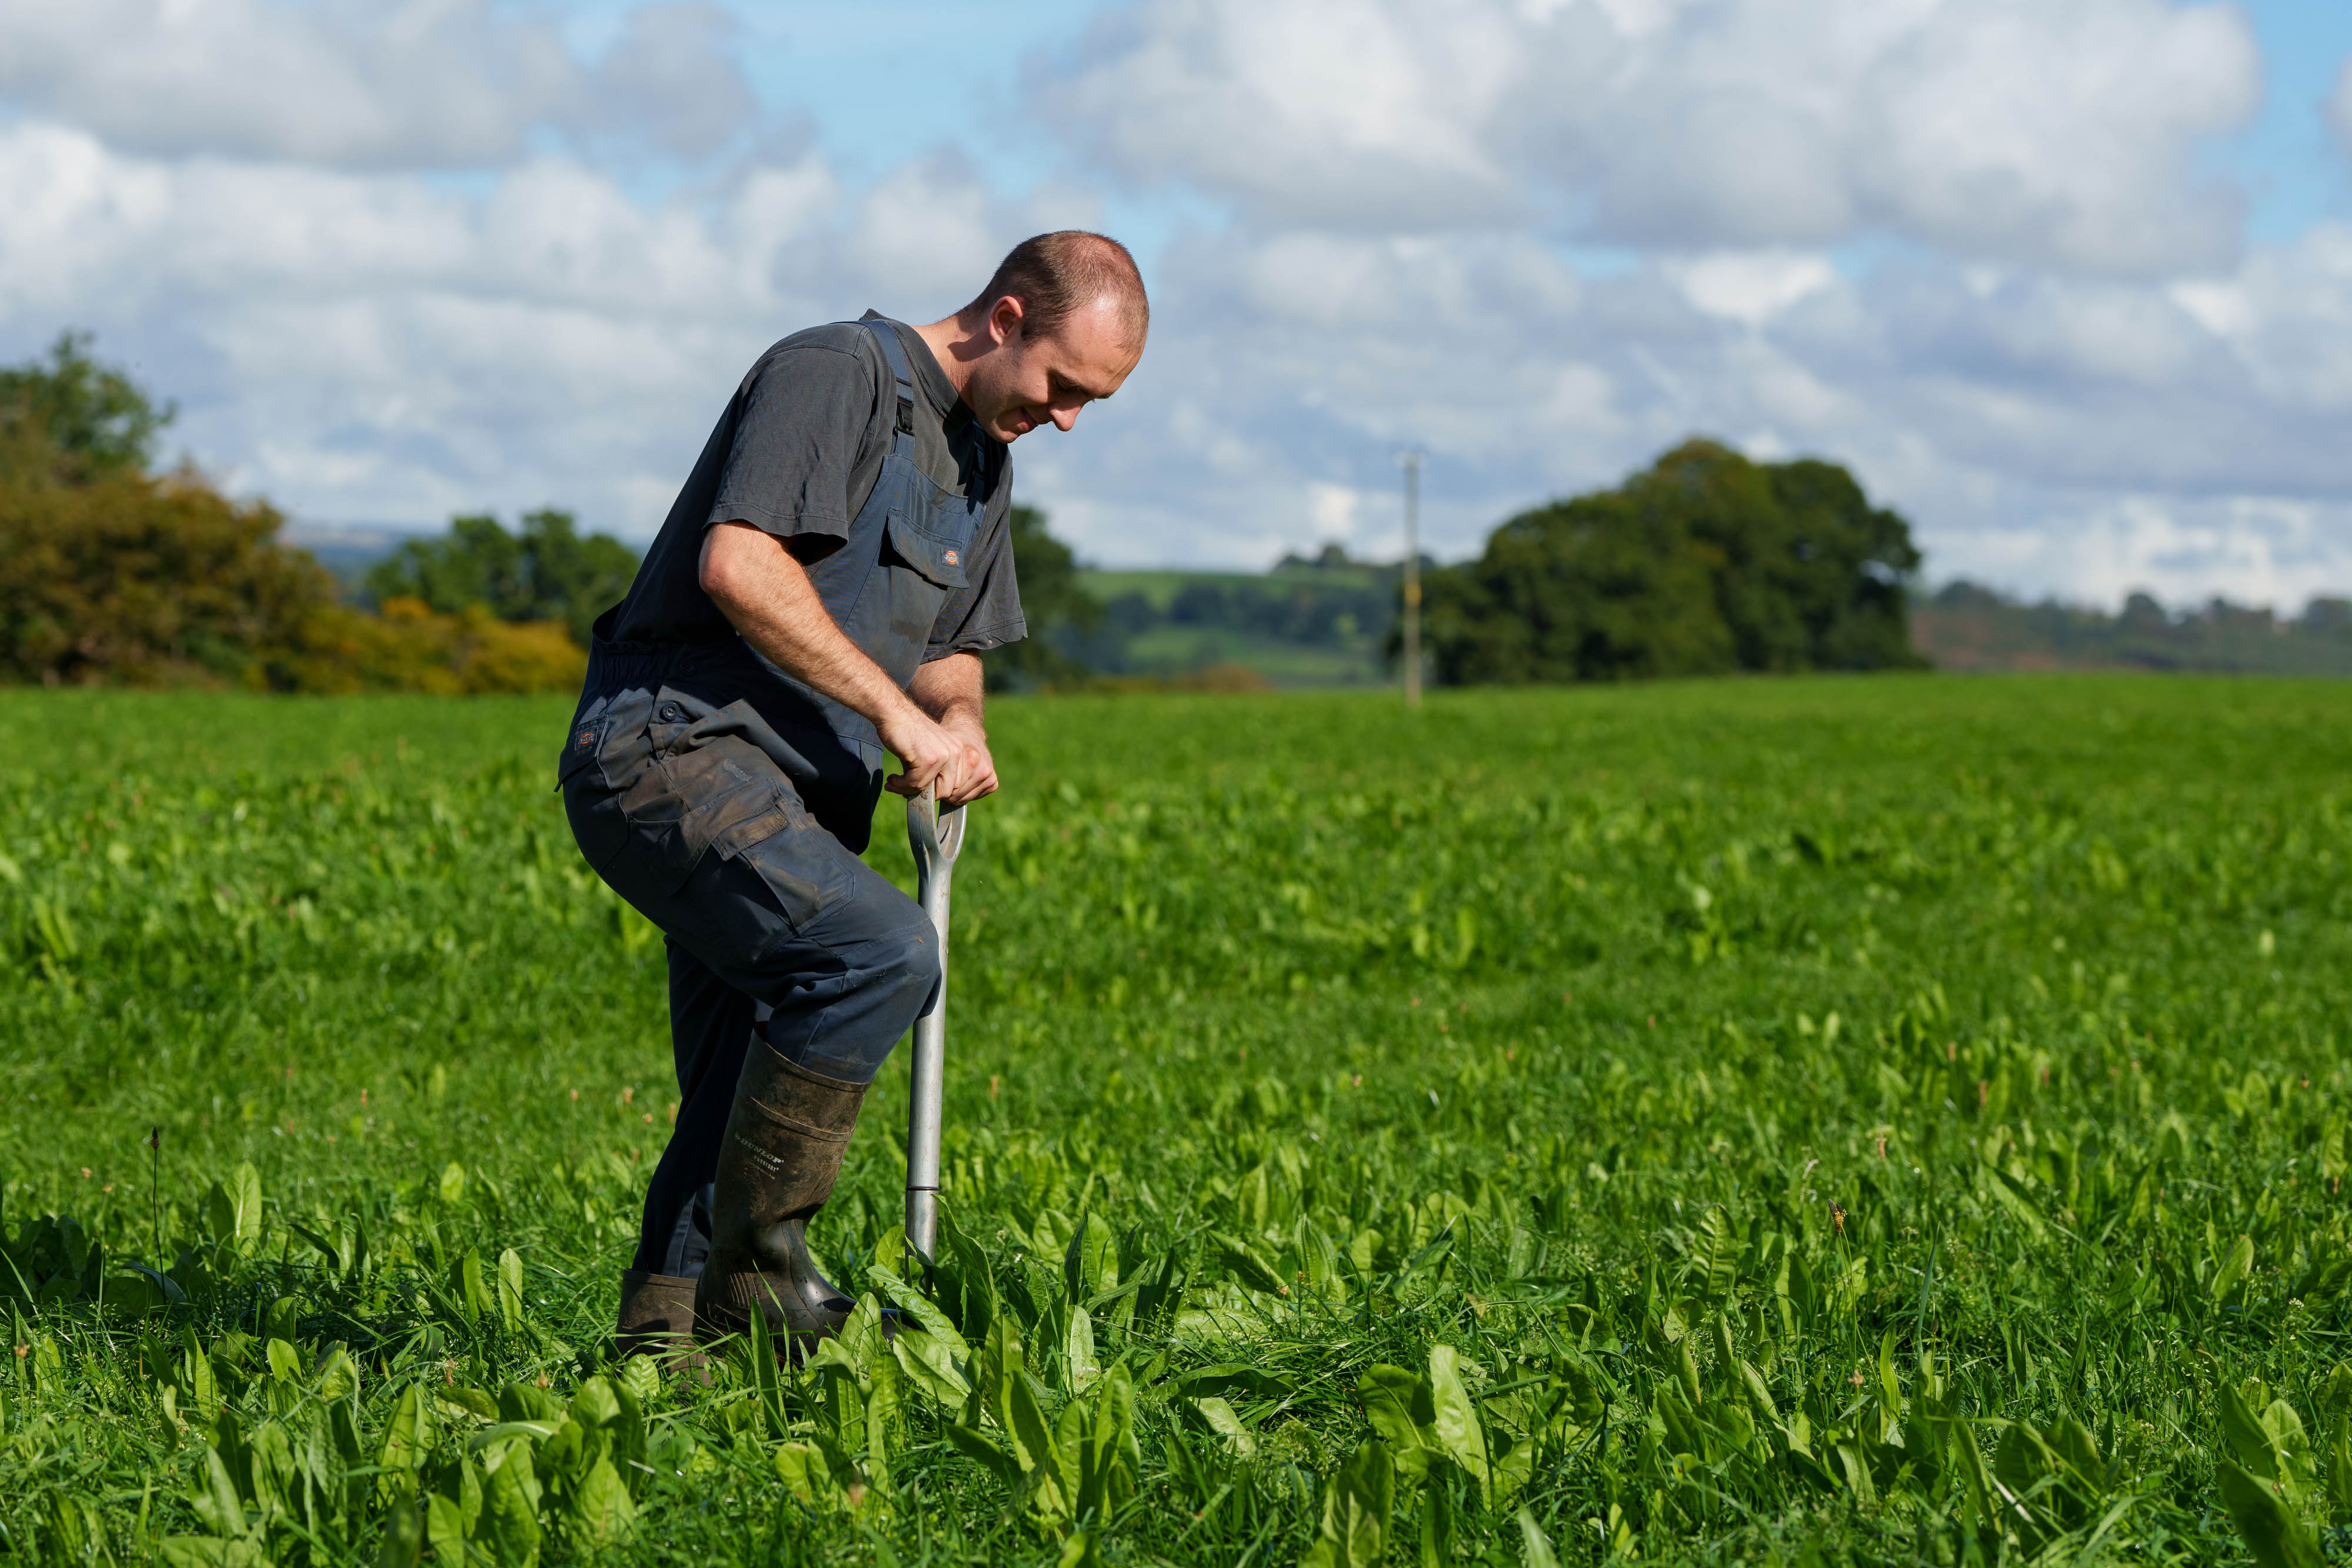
{"x": 937, "y": 838}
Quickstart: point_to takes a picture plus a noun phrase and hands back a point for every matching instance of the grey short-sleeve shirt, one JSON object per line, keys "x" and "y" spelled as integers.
{"x": 796, "y": 453}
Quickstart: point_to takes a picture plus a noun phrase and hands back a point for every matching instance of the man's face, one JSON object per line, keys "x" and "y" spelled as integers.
{"x": 1022, "y": 382}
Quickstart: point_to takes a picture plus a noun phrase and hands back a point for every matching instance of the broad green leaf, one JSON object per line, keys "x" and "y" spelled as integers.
{"x": 2272, "y": 1532}
{"x": 602, "y": 1509}
{"x": 469, "y": 1401}
{"x": 509, "y": 1291}
{"x": 930, "y": 1365}
{"x": 1219, "y": 1417}
{"x": 2244, "y": 1430}
{"x": 1090, "y": 1262}
{"x": 641, "y": 1375}
{"x": 408, "y": 1435}
{"x": 403, "y": 1536}
{"x": 509, "y": 1521}
{"x": 976, "y": 1446}
{"x": 1389, "y": 1394}
{"x": 921, "y": 1308}
{"x": 208, "y": 1552}
{"x": 595, "y": 1404}
{"x": 1246, "y": 1267}
{"x": 803, "y": 1469}
{"x": 2073, "y": 1442}
{"x": 1510, "y": 1469}
{"x": 1453, "y": 1426}
{"x": 1588, "y": 1398}
{"x": 1716, "y": 1251}
{"x": 1079, "y": 1367}
{"x": 445, "y": 1526}
{"x": 244, "y": 1198}
{"x": 1535, "y": 1543}
{"x": 2235, "y": 1265}
{"x": 1032, "y": 1436}
{"x": 885, "y": 1417}
{"x": 338, "y": 1376}
{"x": 1686, "y": 1369}
{"x": 216, "y": 1502}
{"x": 1759, "y": 1395}
{"x": 1357, "y": 1505}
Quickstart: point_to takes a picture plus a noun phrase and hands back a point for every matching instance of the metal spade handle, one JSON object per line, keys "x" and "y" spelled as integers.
{"x": 937, "y": 838}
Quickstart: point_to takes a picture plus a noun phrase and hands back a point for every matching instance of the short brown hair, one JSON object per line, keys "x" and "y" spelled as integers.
{"x": 1055, "y": 275}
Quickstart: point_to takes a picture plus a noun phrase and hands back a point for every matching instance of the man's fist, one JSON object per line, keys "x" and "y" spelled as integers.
{"x": 929, "y": 754}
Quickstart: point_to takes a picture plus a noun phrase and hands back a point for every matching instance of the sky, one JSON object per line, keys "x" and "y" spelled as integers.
{"x": 2068, "y": 286}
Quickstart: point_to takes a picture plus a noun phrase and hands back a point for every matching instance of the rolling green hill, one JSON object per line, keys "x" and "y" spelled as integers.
{"x": 1301, "y": 624}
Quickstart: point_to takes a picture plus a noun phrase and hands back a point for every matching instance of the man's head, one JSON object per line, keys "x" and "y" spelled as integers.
{"x": 1061, "y": 324}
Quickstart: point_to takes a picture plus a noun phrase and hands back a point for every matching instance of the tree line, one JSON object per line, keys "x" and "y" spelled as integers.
{"x": 115, "y": 571}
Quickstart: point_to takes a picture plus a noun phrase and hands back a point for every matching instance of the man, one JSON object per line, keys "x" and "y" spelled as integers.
{"x": 818, "y": 596}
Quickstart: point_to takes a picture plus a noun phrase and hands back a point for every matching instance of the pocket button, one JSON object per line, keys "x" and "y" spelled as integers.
{"x": 671, "y": 712}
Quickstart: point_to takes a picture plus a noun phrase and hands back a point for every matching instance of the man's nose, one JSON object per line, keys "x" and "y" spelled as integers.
{"x": 1063, "y": 417}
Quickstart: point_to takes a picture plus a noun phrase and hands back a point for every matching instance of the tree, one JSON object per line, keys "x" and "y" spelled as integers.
{"x": 546, "y": 572}
{"x": 1052, "y": 600}
{"x": 1704, "y": 563}
{"x": 1592, "y": 589}
{"x": 72, "y": 421}
{"x": 141, "y": 581}
{"x": 109, "y": 575}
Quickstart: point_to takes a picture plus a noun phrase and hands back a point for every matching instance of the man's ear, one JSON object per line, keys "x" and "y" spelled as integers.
{"x": 1004, "y": 318}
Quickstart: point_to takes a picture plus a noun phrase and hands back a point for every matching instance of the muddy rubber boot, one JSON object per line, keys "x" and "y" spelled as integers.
{"x": 784, "y": 1145}
{"x": 657, "y": 1318}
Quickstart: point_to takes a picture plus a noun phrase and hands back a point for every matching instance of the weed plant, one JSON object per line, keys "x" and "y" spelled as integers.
{"x": 1801, "y": 1121}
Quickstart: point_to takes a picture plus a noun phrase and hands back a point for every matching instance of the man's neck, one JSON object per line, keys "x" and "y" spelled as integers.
{"x": 941, "y": 337}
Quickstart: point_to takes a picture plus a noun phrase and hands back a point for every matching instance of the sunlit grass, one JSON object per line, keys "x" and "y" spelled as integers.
{"x": 1876, "y": 1119}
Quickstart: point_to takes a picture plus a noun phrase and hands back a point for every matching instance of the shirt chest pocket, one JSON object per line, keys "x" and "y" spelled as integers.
{"x": 940, "y": 552}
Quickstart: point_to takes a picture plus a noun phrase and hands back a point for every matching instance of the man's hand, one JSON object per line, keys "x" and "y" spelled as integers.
{"x": 949, "y": 689}
{"x": 930, "y": 754}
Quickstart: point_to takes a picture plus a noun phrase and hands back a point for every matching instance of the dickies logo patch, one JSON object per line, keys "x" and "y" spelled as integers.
{"x": 584, "y": 740}
{"x": 951, "y": 558}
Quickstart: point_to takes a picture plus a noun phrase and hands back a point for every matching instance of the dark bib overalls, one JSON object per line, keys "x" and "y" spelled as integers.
{"x": 733, "y": 822}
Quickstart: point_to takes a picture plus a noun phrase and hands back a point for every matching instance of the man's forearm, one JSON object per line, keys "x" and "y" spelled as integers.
{"x": 950, "y": 690}
{"x": 766, "y": 595}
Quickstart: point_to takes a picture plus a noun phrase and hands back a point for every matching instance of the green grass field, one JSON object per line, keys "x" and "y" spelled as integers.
{"x": 1817, "y": 1120}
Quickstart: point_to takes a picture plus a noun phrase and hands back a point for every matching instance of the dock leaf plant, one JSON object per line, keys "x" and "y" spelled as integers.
{"x": 1809, "y": 1122}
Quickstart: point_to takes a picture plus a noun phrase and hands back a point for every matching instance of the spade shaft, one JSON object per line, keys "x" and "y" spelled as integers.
{"x": 937, "y": 838}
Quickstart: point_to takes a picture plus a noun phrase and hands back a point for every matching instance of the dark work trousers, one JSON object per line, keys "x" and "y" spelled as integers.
{"x": 727, "y": 803}
{"x": 762, "y": 902}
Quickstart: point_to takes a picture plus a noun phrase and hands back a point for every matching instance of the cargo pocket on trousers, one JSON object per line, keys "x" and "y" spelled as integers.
{"x": 806, "y": 869}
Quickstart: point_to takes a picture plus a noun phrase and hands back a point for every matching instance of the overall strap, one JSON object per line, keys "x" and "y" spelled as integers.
{"x": 893, "y": 354}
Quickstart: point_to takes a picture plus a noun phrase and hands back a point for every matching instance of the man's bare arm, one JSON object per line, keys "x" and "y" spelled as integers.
{"x": 950, "y": 690}
{"x": 766, "y": 595}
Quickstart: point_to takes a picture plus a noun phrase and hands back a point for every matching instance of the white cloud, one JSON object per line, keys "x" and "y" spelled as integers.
{"x": 1338, "y": 113}
{"x": 1751, "y": 286}
{"x": 364, "y": 83}
{"x": 2010, "y": 414}
{"x": 2058, "y": 136}
{"x": 2061, "y": 372}
{"x": 2250, "y": 550}
{"x": 1332, "y": 510}
{"x": 362, "y": 346}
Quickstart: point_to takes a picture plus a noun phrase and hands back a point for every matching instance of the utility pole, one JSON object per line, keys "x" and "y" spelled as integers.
{"x": 1412, "y": 578}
